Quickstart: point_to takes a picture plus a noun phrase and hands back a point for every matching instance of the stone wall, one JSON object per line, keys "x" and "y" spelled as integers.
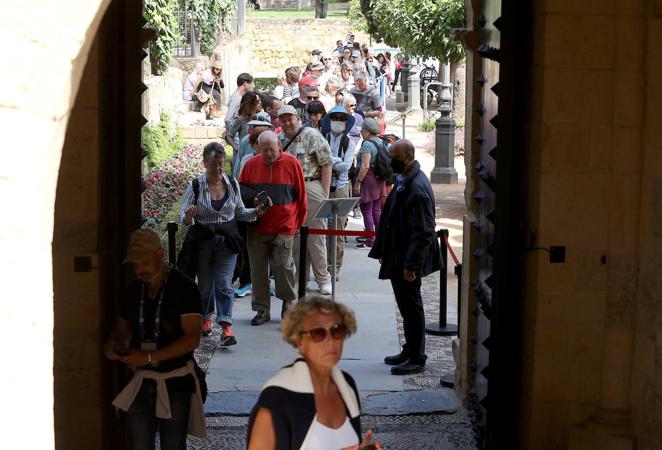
{"x": 585, "y": 192}
{"x": 59, "y": 36}
{"x": 164, "y": 94}
{"x": 647, "y": 365}
{"x": 77, "y": 336}
{"x": 276, "y": 44}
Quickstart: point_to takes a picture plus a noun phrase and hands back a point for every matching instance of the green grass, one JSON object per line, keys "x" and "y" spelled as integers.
{"x": 293, "y": 13}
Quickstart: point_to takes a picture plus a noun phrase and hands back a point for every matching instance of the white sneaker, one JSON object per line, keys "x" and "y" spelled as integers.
{"x": 325, "y": 288}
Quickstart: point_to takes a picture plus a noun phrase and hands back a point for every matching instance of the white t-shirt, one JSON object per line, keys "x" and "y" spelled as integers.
{"x": 321, "y": 437}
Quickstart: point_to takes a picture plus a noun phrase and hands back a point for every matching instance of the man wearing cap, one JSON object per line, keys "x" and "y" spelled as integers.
{"x": 307, "y": 92}
{"x": 260, "y": 122}
{"x": 244, "y": 84}
{"x": 270, "y": 242}
{"x": 367, "y": 97}
{"x": 312, "y": 151}
{"x": 336, "y": 124}
{"x": 157, "y": 330}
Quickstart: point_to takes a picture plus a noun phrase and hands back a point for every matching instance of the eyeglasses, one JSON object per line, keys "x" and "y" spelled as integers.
{"x": 338, "y": 331}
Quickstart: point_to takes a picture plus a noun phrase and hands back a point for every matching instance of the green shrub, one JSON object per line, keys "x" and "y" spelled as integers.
{"x": 211, "y": 16}
{"x": 265, "y": 84}
{"x": 161, "y": 15}
{"x": 428, "y": 124}
{"x": 161, "y": 142}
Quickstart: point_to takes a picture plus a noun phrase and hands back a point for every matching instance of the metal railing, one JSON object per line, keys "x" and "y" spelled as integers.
{"x": 186, "y": 44}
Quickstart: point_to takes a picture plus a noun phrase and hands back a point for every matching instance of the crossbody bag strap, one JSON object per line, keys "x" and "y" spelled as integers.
{"x": 196, "y": 190}
{"x": 293, "y": 139}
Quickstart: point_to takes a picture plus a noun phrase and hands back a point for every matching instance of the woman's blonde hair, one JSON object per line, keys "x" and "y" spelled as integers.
{"x": 291, "y": 326}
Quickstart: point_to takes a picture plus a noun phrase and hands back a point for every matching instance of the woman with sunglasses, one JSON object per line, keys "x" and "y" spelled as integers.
{"x": 311, "y": 404}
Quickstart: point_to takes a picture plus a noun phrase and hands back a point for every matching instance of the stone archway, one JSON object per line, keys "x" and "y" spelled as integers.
{"x": 47, "y": 51}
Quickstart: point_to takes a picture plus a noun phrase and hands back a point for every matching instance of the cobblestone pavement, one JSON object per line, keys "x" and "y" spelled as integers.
{"x": 420, "y": 432}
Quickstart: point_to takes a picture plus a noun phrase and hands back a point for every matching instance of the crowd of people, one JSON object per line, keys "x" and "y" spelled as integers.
{"x": 320, "y": 134}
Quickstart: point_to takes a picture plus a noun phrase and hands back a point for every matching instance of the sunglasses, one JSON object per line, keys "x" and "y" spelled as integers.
{"x": 337, "y": 332}
{"x": 312, "y": 98}
{"x": 352, "y": 106}
{"x": 326, "y": 59}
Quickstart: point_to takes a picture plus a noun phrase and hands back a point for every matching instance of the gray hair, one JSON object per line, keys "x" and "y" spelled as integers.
{"x": 267, "y": 137}
{"x": 358, "y": 76}
{"x": 347, "y": 99}
{"x": 332, "y": 82}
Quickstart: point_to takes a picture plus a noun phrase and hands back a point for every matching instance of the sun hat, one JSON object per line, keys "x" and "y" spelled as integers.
{"x": 326, "y": 120}
{"x": 261, "y": 119}
{"x": 316, "y": 66}
{"x": 217, "y": 65}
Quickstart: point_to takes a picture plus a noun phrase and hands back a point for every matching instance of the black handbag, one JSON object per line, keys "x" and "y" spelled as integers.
{"x": 187, "y": 259}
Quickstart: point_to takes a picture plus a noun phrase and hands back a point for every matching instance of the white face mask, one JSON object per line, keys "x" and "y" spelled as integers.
{"x": 337, "y": 126}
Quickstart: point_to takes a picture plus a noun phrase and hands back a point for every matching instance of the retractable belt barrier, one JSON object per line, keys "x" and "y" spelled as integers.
{"x": 442, "y": 327}
{"x": 304, "y": 231}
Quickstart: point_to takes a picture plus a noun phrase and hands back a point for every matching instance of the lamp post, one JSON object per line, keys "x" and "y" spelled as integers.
{"x": 444, "y": 143}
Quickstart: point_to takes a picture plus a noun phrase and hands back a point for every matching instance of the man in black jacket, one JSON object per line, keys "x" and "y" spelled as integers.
{"x": 406, "y": 246}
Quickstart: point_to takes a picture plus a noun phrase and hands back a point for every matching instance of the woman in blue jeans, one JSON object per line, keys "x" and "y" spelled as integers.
{"x": 218, "y": 207}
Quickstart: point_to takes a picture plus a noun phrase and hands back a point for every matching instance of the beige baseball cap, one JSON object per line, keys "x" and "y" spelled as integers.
{"x": 142, "y": 244}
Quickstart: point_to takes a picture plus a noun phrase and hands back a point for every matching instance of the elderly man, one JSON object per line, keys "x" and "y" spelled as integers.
{"x": 407, "y": 248}
{"x": 157, "y": 330}
{"x": 307, "y": 92}
{"x": 244, "y": 84}
{"x": 367, "y": 97}
{"x": 270, "y": 243}
{"x": 339, "y": 122}
{"x": 312, "y": 151}
{"x": 192, "y": 80}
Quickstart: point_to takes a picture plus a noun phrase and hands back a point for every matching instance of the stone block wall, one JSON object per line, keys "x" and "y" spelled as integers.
{"x": 647, "y": 364}
{"x": 77, "y": 335}
{"x": 164, "y": 94}
{"x": 585, "y": 178}
{"x": 276, "y": 44}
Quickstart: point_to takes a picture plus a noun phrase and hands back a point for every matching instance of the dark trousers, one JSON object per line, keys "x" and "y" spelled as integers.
{"x": 410, "y": 304}
{"x": 143, "y": 422}
{"x": 243, "y": 268}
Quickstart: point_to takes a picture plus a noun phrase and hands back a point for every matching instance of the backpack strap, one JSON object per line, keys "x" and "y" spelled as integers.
{"x": 196, "y": 190}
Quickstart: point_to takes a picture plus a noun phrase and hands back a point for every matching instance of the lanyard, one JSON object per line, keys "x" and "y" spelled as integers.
{"x": 157, "y": 313}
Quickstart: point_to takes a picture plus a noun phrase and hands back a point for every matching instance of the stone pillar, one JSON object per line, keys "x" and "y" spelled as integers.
{"x": 404, "y": 77}
{"x": 414, "y": 88}
{"x": 444, "y": 144}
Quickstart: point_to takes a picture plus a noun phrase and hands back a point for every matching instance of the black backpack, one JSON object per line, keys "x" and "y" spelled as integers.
{"x": 382, "y": 167}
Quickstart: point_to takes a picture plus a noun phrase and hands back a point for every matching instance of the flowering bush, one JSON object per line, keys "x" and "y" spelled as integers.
{"x": 167, "y": 182}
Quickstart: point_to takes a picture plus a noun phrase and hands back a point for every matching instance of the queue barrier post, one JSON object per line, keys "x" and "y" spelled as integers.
{"x": 172, "y": 242}
{"x": 303, "y": 263}
{"x": 442, "y": 327}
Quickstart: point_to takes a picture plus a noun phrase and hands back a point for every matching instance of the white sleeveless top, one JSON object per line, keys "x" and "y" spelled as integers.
{"x": 321, "y": 437}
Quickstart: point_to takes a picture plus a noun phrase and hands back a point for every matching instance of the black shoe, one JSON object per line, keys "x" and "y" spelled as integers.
{"x": 260, "y": 318}
{"x": 284, "y": 308}
{"x": 395, "y": 359}
{"x": 407, "y": 368}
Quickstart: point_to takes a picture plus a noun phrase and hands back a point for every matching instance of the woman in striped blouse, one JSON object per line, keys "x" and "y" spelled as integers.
{"x": 218, "y": 207}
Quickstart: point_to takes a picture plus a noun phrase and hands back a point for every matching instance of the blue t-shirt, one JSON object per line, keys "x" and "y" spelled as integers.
{"x": 245, "y": 148}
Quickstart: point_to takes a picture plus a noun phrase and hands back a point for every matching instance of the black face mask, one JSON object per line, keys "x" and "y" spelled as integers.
{"x": 397, "y": 165}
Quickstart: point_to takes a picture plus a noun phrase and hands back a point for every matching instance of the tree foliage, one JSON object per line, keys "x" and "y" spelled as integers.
{"x": 420, "y": 27}
{"x": 211, "y": 18}
{"x": 161, "y": 15}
